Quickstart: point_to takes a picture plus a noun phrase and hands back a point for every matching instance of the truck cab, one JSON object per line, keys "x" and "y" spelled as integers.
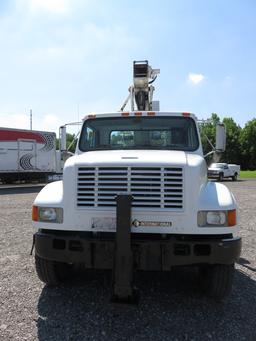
{"x": 136, "y": 197}
{"x": 177, "y": 216}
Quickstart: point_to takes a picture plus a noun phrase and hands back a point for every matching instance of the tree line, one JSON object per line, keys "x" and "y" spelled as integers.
{"x": 240, "y": 142}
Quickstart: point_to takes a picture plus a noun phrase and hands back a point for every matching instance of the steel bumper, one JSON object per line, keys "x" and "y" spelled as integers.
{"x": 152, "y": 253}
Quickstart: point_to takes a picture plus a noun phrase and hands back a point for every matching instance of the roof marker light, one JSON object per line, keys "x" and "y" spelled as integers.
{"x": 125, "y": 114}
{"x": 91, "y": 116}
{"x": 186, "y": 114}
{"x": 151, "y": 113}
{"x": 138, "y": 113}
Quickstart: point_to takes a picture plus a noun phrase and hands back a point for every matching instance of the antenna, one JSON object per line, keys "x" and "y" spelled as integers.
{"x": 30, "y": 119}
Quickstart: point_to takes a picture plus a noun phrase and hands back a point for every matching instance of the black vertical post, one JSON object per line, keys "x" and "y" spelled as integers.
{"x": 123, "y": 260}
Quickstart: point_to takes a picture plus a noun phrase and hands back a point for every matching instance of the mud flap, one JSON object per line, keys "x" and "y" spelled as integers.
{"x": 123, "y": 290}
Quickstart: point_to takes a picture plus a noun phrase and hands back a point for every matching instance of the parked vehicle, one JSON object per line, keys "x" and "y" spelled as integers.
{"x": 223, "y": 170}
{"x": 136, "y": 197}
{"x": 26, "y": 154}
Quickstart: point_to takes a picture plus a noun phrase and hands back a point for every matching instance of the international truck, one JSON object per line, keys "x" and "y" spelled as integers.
{"x": 135, "y": 197}
{"x": 223, "y": 170}
{"x": 26, "y": 154}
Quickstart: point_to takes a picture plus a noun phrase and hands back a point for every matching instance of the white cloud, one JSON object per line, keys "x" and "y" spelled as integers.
{"x": 52, "y": 6}
{"x": 14, "y": 121}
{"x": 195, "y": 78}
{"x": 50, "y": 123}
{"x": 51, "y": 64}
{"x": 46, "y": 122}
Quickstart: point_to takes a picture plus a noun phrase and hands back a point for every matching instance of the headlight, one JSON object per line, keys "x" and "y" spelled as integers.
{"x": 47, "y": 214}
{"x": 216, "y": 218}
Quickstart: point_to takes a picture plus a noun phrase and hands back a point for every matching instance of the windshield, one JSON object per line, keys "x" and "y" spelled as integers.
{"x": 166, "y": 132}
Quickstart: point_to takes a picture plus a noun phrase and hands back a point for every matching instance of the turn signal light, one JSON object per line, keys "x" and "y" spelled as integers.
{"x": 35, "y": 213}
{"x": 232, "y": 218}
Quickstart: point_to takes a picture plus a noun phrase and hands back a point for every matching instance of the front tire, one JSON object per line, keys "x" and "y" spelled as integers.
{"x": 221, "y": 176}
{"x": 234, "y": 177}
{"x": 50, "y": 272}
{"x": 216, "y": 280}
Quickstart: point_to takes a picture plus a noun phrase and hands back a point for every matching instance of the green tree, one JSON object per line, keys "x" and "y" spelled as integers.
{"x": 248, "y": 145}
{"x": 208, "y": 132}
{"x": 71, "y": 142}
{"x": 233, "y": 147}
{"x": 70, "y": 138}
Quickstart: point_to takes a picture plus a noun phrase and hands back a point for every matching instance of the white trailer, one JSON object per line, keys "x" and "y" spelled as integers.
{"x": 26, "y": 154}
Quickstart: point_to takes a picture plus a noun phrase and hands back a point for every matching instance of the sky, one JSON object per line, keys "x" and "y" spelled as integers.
{"x": 66, "y": 58}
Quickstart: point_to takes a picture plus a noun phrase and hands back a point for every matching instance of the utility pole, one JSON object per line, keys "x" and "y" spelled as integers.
{"x": 30, "y": 119}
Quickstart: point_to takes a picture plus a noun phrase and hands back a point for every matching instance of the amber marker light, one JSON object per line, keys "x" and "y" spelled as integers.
{"x": 232, "y": 218}
{"x": 125, "y": 114}
{"x": 91, "y": 116}
{"x": 186, "y": 114}
{"x": 138, "y": 113}
{"x": 151, "y": 113}
{"x": 35, "y": 213}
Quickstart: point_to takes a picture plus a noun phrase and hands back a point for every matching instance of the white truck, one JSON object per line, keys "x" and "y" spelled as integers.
{"x": 26, "y": 154}
{"x": 223, "y": 170}
{"x": 136, "y": 197}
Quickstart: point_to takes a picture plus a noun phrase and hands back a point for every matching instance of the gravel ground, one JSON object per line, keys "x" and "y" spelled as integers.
{"x": 170, "y": 308}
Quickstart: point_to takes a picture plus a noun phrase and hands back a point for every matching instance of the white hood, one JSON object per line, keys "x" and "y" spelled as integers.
{"x": 129, "y": 157}
{"x": 215, "y": 169}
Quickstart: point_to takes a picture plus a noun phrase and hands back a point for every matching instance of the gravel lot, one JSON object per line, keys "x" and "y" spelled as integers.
{"x": 171, "y": 307}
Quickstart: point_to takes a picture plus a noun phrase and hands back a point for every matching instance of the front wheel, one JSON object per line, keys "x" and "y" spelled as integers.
{"x": 221, "y": 176}
{"x": 216, "y": 280}
{"x": 234, "y": 177}
{"x": 50, "y": 272}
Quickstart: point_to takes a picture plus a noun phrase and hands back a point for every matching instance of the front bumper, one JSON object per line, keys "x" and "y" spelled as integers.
{"x": 149, "y": 252}
{"x": 213, "y": 175}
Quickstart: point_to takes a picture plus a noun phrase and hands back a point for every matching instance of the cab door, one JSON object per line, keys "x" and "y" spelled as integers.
{"x": 227, "y": 171}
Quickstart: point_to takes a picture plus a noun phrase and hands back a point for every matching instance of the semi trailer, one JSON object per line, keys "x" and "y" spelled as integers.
{"x": 135, "y": 197}
{"x": 26, "y": 154}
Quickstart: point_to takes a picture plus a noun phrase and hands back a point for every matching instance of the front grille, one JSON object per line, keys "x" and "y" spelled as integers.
{"x": 151, "y": 187}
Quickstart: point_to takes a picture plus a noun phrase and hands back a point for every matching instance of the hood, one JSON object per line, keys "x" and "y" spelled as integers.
{"x": 214, "y": 168}
{"x": 129, "y": 157}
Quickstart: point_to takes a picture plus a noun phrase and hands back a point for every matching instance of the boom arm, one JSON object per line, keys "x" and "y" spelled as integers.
{"x": 141, "y": 91}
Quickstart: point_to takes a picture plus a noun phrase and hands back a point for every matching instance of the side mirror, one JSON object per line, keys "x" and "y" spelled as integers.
{"x": 220, "y": 144}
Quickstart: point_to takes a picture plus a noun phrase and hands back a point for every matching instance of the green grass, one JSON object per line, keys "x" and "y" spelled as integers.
{"x": 248, "y": 174}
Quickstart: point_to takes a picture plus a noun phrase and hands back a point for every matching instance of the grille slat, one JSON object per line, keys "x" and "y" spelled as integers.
{"x": 151, "y": 187}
